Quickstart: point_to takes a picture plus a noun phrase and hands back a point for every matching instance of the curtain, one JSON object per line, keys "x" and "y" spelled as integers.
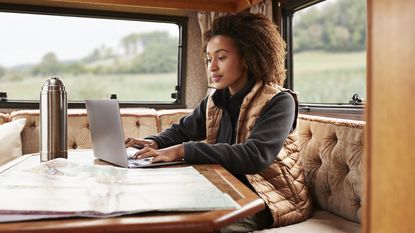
{"x": 264, "y": 7}
{"x": 206, "y": 18}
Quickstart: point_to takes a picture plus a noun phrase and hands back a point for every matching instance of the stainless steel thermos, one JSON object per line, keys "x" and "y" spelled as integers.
{"x": 53, "y": 120}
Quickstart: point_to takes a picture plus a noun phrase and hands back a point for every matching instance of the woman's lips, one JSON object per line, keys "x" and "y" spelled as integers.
{"x": 216, "y": 78}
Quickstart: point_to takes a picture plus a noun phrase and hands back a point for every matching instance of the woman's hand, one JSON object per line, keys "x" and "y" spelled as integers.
{"x": 140, "y": 143}
{"x": 173, "y": 153}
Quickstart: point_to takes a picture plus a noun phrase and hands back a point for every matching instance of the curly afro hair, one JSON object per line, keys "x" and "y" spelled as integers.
{"x": 257, "y": 40}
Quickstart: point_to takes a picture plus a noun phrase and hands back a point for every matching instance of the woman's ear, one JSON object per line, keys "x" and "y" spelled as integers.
{"x": 245, "y": 66}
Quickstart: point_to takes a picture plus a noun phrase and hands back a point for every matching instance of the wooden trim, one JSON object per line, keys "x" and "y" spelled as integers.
{"x": 199, "y": 5}
{"x": 367, "y": 133}
{"x": 335, "y": 121}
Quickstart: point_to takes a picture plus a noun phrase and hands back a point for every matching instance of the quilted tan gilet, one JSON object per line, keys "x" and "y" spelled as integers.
{"x": 282, "y": 184}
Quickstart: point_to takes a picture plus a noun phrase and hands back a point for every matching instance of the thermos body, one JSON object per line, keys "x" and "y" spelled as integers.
{"x": 53, "y": 120}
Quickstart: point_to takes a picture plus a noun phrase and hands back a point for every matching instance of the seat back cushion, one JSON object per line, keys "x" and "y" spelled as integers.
{"x": 11, "y": 144}
{"x": 136, "y": 123}
{"x": 4, "y": 117}
{"x": 331, "y": 151}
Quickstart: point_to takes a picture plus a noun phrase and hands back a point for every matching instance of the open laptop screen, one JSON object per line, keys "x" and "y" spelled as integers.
{"x": 107, "y": 134}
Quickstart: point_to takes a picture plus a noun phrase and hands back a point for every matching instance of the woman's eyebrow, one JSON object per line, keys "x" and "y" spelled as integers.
{"x": 220, "y": 50}
{"x": 217, "y": 51}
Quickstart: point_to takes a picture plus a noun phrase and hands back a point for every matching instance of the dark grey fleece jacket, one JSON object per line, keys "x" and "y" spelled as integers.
{"x": 265, "y": 141}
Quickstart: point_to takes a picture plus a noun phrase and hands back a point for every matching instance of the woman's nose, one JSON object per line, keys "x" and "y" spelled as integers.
{"x": 213, "y": 66}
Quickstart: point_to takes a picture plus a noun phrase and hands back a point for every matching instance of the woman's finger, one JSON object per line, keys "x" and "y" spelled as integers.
{"x": 133, "y": 142}
{"x": 128, "y": 140}
{"x": 157, "y": 159}
{"x": 144, "y": 153}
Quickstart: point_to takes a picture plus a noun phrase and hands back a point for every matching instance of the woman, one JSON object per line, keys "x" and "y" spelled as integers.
{"x": 245, "y": 122}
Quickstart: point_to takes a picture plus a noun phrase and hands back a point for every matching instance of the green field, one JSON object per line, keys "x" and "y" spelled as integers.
{"x": 137, "y": 87}
{"x": 321, "y": 77}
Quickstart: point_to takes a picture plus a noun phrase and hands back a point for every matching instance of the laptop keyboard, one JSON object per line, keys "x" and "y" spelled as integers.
{"x": 137, "y": 162}
{"x": 140, "y": 162}
{"x": 131, "y": 151}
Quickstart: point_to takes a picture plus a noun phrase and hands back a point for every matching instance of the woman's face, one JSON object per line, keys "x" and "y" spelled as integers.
{"x": 225, "y": 64}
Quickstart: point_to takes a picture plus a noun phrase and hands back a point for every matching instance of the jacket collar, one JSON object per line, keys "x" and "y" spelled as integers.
{"x": 222, "y": 98}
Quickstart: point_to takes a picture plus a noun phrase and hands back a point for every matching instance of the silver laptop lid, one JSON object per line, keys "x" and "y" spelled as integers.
{"x": 107, "y": 134}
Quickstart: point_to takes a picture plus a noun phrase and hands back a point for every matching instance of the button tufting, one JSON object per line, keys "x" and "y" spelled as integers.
{"x": 87, "y": 126}
{"x": 347, "y": 169}
{"x": 33, "y": 125}
{"x": 318, "y": 160}
{"x": 137, "y": 123}
{"x": 74, "y": 146}
{"x": 357, "y": 202}
{"x": 328, "y": 192}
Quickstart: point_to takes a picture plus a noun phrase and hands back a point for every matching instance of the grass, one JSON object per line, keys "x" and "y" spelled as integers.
{"x": 321, "y": 77}
{"x": 138, "y": 87}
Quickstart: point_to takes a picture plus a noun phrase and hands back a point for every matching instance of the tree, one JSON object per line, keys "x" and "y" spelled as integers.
{"x": 130, "y": 44}
{"x": 159, "y": 53}
{"x": 100, "y": 53}
{"x": 149, "y": 52}
{"x": 75, "y": 68}
{"x": 2, "y": 71}
{"x": 49, "y": 65}
{"x": 338, "y": 26}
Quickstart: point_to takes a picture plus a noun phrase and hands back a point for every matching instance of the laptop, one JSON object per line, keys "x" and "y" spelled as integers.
{"x": 107, "y": 136}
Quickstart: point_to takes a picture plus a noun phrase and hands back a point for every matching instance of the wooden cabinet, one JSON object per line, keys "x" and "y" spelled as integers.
{"x": 390, "y": 160}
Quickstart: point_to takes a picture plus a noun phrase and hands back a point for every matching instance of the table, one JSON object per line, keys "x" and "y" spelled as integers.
{"x": 206, "y": 221}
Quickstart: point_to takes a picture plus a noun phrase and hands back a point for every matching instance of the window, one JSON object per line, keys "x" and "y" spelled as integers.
{"x": 95, "y": 54}
{"x": 328, "y": 50}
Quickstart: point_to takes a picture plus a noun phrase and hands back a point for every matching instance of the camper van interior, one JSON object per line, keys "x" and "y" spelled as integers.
{"x": 349, "y": 61}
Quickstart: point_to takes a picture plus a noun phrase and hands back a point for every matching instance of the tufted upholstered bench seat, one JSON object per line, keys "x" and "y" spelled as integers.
{"x": 137, "y": 122}
{"x": 331, "y": 151}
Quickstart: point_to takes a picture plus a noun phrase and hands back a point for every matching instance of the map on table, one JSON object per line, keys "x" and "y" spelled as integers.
{"x": 67, "y": 188}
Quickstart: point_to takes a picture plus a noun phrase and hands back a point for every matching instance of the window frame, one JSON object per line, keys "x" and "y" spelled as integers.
{"x": 351, "y": 111}
{"x": 180, "y": 21}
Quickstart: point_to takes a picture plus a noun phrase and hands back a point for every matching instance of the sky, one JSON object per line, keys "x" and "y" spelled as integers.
{"x": 26, "y": 38}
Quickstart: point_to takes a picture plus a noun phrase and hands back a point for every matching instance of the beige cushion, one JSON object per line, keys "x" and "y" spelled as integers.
{"x": 4, "y": 118}
{"x": 331, "y": 151}
{"x": 320, "y": 222}
{"x": 170, "y": 116}
{"x": 138, "y": 122}
{"x": 10, "y": 141}
{"x": 30, "y": 133}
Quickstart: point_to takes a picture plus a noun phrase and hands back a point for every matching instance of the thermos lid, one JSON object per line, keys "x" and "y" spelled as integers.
{"x": 54, "y": 84}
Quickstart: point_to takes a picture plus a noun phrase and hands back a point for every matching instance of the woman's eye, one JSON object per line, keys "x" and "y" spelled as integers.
{"x": 208, "y": 60}
{"x": 221, "y": 58}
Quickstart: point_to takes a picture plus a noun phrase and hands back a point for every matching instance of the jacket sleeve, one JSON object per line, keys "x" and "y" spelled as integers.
{"x": 260, "y": 149}
{"x": 191, "y": 127}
